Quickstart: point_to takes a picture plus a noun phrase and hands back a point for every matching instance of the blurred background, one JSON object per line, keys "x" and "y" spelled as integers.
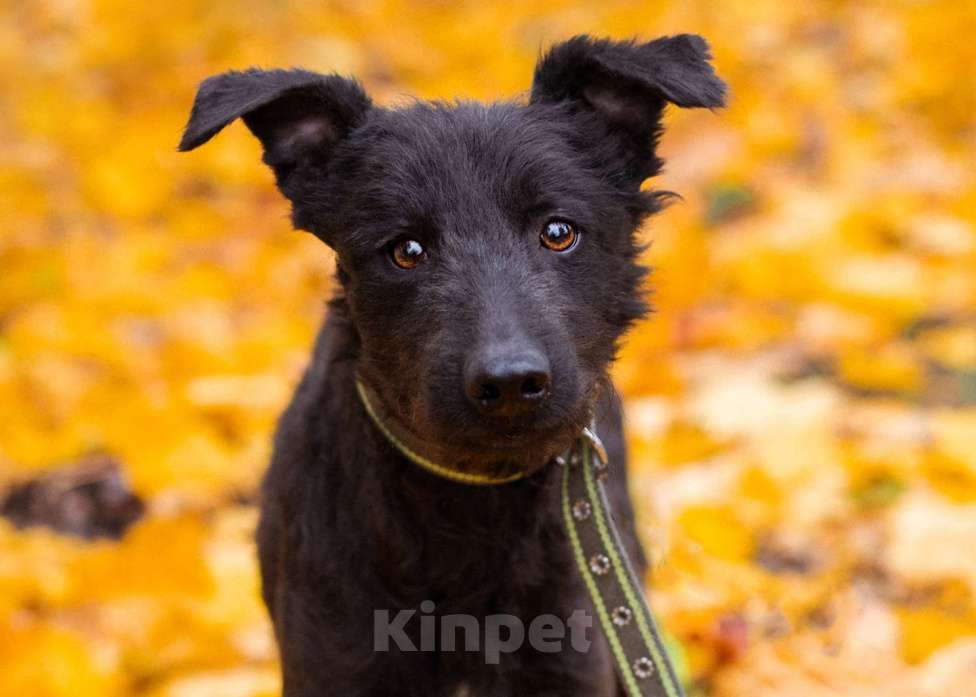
{"x": 801, "y": 407}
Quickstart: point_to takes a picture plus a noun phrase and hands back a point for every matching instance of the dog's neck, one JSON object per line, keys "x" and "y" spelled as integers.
{"x": 342, "y": 357}
{"x": 335, "y": 368}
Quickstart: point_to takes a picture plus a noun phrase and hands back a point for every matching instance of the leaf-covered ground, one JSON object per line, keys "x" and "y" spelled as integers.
{"x": 802, "y": 407}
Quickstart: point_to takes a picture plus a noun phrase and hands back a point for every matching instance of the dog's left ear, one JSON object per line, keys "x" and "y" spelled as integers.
{"x": 627, "y": 84}
{"x": 299, "y": 116}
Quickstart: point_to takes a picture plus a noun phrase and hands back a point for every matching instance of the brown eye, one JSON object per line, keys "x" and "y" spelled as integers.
{"x": 407, "y": 254}
{"x": 559, "y": 236}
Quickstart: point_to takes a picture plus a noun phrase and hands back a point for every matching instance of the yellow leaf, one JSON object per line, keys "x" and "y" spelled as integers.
{"x": 892, "y": 368}
{"x": 48, "y": 662}
{"x": 954, "y": 347}
{"x": 160, "y": 557}
{"x": 926, "y": 630}
{"x": 718, "y": 531}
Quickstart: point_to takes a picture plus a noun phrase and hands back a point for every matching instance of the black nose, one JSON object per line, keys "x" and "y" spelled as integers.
{"x": 508, "y": 384}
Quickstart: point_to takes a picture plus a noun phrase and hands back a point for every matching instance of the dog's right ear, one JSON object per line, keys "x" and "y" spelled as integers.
{"x": 299, "y": 116}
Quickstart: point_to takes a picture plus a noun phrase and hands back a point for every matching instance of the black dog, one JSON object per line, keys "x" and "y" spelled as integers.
{"x": 488, "y": 267}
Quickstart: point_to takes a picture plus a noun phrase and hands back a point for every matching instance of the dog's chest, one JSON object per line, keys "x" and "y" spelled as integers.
{"x": 500, "y": 550}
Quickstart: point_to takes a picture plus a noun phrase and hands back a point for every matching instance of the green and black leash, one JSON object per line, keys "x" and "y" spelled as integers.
{"x": 617, "y": 594}
{"x": 639, "y": 653}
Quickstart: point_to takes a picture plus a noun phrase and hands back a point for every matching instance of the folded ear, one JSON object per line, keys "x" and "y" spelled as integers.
{"x": 628, "y": 84}
{"x": 299, "y": 116}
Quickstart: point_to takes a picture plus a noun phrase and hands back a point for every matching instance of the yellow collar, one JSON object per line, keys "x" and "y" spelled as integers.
{"x": 408, "y": 444}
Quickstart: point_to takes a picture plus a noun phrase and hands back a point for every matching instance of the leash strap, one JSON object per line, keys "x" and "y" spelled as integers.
{"x": 639, "y": 653}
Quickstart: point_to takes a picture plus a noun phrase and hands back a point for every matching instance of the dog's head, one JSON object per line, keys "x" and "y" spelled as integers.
{"x": 486, "y": 253}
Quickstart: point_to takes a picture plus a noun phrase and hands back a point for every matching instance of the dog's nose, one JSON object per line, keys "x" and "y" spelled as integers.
{"x": 507, "y": 385}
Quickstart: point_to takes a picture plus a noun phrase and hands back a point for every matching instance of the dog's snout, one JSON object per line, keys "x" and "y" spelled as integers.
{"x": 508, "y": 384}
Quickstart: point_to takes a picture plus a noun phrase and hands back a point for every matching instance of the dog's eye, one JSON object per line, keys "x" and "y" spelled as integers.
{"x": 559, "y": 236}
{"x": 407, "y": 254}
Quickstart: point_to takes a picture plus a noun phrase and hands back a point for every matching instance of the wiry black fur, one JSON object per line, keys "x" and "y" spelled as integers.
{"x": 348, "y": 525}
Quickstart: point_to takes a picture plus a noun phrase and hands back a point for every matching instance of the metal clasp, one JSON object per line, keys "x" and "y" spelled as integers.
{"x": 594, "y": 440}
